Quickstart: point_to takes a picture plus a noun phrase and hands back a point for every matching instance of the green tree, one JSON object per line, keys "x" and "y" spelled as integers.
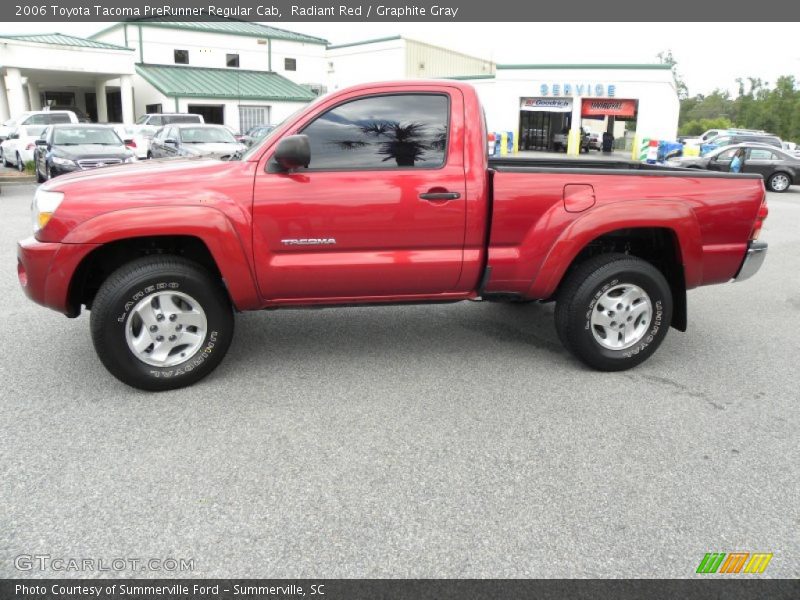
{"x": 666, "y": 58}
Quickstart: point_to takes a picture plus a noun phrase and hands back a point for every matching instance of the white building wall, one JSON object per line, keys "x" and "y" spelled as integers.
{"x": 309, "y": 58}
{"x": 658, "y": 104}
{"x": 278, "y": 111}
{"x": 425, "y": 60}
{"x": 363, "y": 63}
{"x": 211, "y": 50}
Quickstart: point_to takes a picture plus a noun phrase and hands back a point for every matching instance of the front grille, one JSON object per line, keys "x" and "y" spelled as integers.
{"x": 93, "y": 163}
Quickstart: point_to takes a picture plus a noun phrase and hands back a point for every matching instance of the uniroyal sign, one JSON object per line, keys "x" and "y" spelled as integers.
{"x": 608, "y": 107}
{"x": 547, "y": 104}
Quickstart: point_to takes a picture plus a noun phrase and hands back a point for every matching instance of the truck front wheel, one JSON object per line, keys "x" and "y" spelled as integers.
{"x": 161, "y": 322}
{"x": 613, "y": 311}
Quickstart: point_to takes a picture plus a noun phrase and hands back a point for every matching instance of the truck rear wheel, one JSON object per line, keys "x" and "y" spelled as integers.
{"x": 613, "y": 311}
{"x": 161, "y": 322}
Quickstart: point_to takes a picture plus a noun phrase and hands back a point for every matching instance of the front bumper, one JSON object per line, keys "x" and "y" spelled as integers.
{"x": 753, "y": 259}
{"x": 45, "y": 271}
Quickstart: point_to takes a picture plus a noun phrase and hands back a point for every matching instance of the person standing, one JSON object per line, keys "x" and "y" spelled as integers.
{"x": 737, "y": 162}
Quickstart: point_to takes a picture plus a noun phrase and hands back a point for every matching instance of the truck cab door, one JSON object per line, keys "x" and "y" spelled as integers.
{"x": 381, "y": 209}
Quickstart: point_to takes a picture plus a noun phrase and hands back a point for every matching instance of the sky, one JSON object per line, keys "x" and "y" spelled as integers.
{"x": 706, "y": 57}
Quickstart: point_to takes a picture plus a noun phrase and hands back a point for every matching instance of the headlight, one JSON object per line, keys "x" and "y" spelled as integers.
{"x": 63, "y": 161}
{"x": 44, "y": 205}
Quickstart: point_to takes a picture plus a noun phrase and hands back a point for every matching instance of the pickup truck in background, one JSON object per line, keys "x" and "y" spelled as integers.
{"x": 381, "y": 194}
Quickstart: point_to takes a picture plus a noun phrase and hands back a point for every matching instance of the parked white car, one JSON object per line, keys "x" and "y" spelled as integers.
{"x": 18, "y": 148}
{"x": 37, "y": 117}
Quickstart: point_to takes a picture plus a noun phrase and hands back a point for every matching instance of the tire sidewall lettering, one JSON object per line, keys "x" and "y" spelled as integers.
{"x": 139, "y": 294}
{"x": 168, "y": 372}
{"x": 600, "y": 291}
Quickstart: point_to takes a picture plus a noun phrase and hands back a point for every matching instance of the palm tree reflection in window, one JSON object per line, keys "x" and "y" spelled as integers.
{"x": 405, "y": 143}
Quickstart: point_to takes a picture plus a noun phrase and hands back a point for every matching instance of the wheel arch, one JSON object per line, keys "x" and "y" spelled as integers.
{"x": 203, "y": 235}
{"x": 657, "y": 244}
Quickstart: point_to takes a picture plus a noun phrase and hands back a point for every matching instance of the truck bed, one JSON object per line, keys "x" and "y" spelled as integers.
{"x": 601, "y": 166}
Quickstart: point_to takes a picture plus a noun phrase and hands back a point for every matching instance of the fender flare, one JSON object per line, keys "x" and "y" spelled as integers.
{"x": 206, "y": 223}
{"x": 651, "y": 213}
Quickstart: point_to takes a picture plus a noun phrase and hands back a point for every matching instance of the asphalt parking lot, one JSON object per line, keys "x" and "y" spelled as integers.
{"x": 426, "y": 441}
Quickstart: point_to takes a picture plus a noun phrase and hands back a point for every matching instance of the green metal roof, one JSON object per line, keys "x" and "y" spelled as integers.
{"x": 228, "y": 26}
{"x": 469, "y": 77}
{"x": 59, "y": 39}
{"x": 591, "y": 66}
{"x": 374, "y": 41}
{"x": 201, "y": 82}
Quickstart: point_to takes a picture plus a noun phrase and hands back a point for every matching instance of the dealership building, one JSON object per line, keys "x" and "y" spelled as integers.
{"x": 243, "y": 74}
{"x": 534, "y": 103}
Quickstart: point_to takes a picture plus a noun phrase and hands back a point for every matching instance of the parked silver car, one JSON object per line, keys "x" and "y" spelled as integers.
{"x": 194, "y": 140}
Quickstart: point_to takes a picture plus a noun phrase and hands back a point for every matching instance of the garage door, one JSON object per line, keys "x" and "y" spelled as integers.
{"x": 250, "y": 116}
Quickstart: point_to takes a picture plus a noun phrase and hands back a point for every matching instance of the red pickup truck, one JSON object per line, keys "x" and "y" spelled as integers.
{"x": 372, "y": 195}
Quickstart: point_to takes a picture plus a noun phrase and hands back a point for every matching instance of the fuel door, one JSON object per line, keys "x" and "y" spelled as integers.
{"x": 578, "y": 197}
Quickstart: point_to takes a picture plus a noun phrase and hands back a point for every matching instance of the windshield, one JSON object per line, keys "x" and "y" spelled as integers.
{"x": 86, "y": 135}
{"x": 206, "y": 135}
{"x": 34, "y": 131}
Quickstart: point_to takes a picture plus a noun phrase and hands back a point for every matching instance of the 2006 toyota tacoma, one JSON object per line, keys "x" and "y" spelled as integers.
{"x": 378, "y": 194}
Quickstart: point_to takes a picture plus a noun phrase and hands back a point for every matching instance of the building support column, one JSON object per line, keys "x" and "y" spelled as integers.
{"x": 102, "y": 101}
{"x": 126, "y": 95}
{"x": 14, "y": 91}
{"x": 34, "y": 99}
{"x": 5, "y": 115}
{"x": 574, "y": 138}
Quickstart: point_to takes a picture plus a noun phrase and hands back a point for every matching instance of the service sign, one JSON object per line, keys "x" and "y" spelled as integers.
{"x": 588, "y": 88}
{"x": 547, "y": 104}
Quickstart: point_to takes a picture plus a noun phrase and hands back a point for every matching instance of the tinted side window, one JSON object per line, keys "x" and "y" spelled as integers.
{"x": 381, "y": 132}
{"x": 182, "y": 119}
{"x": 759, "y": 154}
{"x": 57, "y": 118}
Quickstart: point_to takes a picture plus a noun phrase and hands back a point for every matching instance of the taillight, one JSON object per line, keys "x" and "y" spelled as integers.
{"x": 761, "y": 216}
{"x": 130, "y": 144}
{"x": 30, "y": 146}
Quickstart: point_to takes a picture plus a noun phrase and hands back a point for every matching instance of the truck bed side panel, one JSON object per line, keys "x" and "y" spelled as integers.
{"x": 533, "y": 238}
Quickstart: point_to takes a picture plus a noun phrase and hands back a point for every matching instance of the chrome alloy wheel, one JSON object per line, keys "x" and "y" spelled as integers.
{"x": 621, "y": 316}
{"x": 166, "y": 329}
{"x": 779, "y": 182}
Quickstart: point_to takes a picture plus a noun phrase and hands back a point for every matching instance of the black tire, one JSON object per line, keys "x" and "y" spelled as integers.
{"x": 5, "y": 161}
{"x": 773, "y": 177}
{"x": 146, "y": 277}
{"x": 51, "y": 173}
{"x": 20, "y": 164}
{"x": 149, "y": 155}
{"x": 39, "y": 177}
{"x": 580, "y": 294}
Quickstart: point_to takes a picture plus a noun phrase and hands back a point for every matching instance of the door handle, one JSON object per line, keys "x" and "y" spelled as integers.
{"x": 440, "y": 196}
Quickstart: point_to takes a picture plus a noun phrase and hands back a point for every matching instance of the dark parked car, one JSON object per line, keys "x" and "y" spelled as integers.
{"x": 780, "y": 169}
{"x": 256, "y": 134}
{"x": 82, "y": 116}
{"x": 194, "y": 140}
{"x": 77, "y": 147}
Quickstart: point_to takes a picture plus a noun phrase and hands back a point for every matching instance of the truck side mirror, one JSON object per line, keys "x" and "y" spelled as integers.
{"x": 171, "y": 142}
{"x": 292, "y": 153}
{"x": 41, "y": 142}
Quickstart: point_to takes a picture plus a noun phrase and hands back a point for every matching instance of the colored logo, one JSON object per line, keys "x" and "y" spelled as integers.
{"x": 734, "y": 562}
